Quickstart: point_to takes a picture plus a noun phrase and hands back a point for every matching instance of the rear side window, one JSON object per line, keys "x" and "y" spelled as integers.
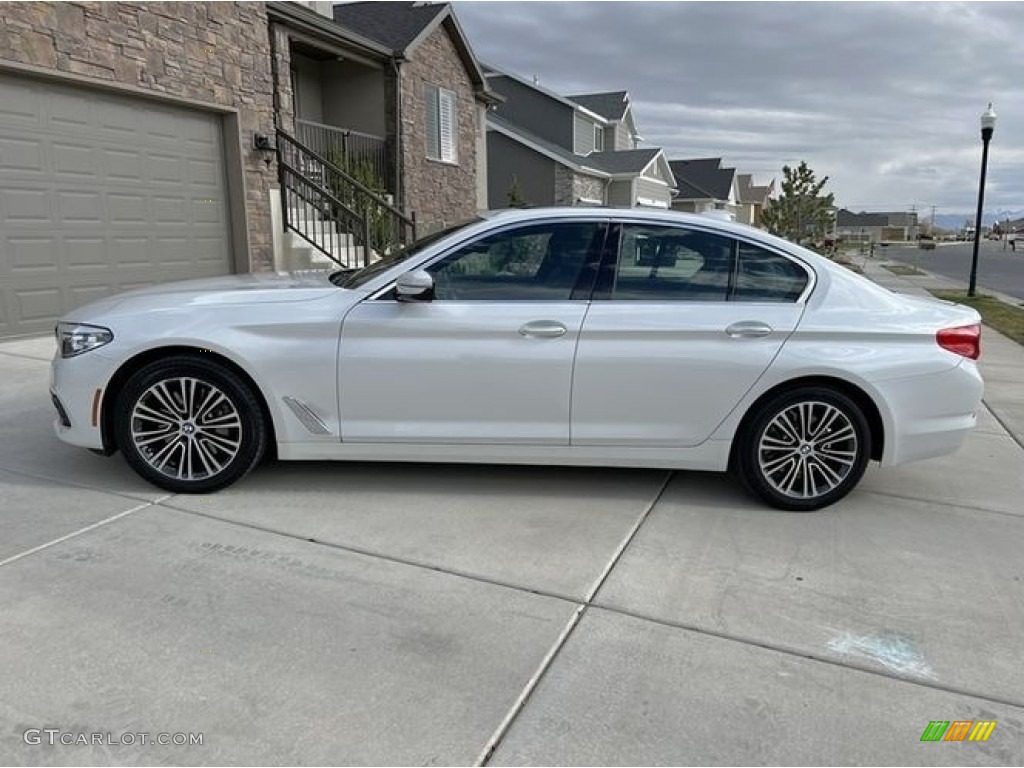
{"x": 765, "y": 276}
{"x": 659, "y": 263}
{"x": 666, "y": 263}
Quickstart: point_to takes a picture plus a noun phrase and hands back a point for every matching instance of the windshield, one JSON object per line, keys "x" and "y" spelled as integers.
{"x": 348, "y": 278}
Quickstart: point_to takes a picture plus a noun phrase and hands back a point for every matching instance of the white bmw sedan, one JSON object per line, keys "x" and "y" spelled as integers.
{"x": 561, "y": 336}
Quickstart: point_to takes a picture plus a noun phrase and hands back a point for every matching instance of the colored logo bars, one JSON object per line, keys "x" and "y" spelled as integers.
{"x": 958, "y": 730}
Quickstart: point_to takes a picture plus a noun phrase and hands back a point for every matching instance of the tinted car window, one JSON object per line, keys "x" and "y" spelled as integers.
{"x": 541, "y": 262}
{"x": 658, "y": 263}
{"x": 766, "y": 276}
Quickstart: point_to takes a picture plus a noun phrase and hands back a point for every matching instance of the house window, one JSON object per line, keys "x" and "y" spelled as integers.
{"x": 442, "y": 125}
{"x": 598, "y": 138}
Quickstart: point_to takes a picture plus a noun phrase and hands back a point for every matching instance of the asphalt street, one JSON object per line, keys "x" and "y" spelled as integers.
{"x": 998, "y": 270}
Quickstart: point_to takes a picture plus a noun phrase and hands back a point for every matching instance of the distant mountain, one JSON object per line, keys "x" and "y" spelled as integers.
{"x": 956, "y": 221}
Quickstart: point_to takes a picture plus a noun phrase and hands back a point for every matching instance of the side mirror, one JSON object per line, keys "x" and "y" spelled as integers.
{"x": 417, "y": 285}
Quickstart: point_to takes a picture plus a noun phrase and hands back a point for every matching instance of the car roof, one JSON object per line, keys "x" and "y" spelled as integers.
{"x": 652, "y": 215}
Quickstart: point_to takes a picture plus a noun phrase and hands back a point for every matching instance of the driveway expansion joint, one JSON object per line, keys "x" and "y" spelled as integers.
{"x": 810, "y": 656}
{"x": 588, "y": 602}
{"x": 79, "y": 532}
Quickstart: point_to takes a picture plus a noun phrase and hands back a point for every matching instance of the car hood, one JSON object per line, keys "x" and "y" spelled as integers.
{"x": 261, "y": 288}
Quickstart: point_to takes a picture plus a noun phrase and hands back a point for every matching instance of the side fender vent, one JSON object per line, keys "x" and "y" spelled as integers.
{"x": 307, "y": 416}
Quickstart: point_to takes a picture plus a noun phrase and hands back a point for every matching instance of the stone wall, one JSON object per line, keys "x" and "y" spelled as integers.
{"x": 588, "y": 188}
{"x": 439, "y": 193}
{"x": 571, "y": 186}
{"x": 217, "y": 53}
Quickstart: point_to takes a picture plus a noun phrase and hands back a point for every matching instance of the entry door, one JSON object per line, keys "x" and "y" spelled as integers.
{"x": 489, "y": 358}
{"x": 689, "y": 322}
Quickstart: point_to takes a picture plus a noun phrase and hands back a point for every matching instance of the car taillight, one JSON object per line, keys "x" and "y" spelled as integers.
{"x": 963, "y": 340}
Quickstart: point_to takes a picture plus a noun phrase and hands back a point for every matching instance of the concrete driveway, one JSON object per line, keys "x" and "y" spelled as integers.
{"x": 417, "y": 614}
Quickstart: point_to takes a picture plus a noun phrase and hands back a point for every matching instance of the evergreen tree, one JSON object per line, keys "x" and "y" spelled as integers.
{"x": 514, "y": 196}
{"x": 802, "y": 213}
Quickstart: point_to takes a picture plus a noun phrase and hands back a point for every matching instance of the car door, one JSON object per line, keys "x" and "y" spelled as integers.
{"x": 683, "y": 323}
{"x": 489, "y": 358}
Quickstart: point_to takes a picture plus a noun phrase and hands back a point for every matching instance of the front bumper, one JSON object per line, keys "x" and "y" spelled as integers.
{"x": 78, "y": 384}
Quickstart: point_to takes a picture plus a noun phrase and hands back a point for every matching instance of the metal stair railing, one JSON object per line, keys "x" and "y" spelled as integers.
{"x": 342, "y": 218}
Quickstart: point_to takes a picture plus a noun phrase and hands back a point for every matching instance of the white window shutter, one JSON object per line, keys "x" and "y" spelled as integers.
{"x": 449, "y": 127}
{"x": 432, "y": 108}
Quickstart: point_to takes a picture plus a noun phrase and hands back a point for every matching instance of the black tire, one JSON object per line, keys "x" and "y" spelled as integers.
{"x": 763, "y": 468}
{"x": 203, "y": 452}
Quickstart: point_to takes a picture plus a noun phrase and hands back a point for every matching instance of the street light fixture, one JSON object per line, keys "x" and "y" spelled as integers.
{"x": 988, "y": 125}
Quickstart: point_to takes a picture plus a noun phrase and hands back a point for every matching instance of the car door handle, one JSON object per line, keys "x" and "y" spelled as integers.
{"x": 748, "y": 329}
{"x": 544, "y": 329}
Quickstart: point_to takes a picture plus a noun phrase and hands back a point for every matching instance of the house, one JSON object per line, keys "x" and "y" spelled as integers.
{"x": 143, "y": 143}
{"x": 883, "y": 226}
{"x": 547, "y": 149}
{"x": 703, "y": 185}
{"x": 752, "y": 199}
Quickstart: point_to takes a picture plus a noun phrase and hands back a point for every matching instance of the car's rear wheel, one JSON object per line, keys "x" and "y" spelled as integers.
{"x": 189, "y": 425}
{"x": 804, "y": 449}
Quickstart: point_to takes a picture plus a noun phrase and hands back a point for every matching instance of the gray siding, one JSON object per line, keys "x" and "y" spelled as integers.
{"x": 353, "y": 97}
{"x": 507, "y": 158}
{"x": 537, "y": 113}
{"x": 622, "y": 139}
{"x": 652, "y": 190}
{"x": 583, "y": 143}
{"x": 620, "y": 194}
{"x": 308, "y": 94}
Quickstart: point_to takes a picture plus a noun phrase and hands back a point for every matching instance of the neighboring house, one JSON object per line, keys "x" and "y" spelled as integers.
{"x": 876, "y": 227}
{"x": 556, "y": 150}
{"x": 703, "y": 185}
{"x": 137, "y": 140}
{"x": 752, "y": 199}
{"x": 619, "y": 132}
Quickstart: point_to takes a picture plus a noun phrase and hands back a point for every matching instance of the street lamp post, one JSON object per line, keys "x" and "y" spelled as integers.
{"x": 988, "y": 125}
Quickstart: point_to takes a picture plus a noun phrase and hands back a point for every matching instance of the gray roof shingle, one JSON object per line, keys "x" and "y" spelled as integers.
{"x": 394, "y": 24}
{"x": 622, "y": 161}
{"x": 610, "y": 105}
{"x": 702, "y": 178}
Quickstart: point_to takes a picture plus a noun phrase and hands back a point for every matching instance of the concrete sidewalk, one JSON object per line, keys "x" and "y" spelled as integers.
{"x": 1002, "y": 359}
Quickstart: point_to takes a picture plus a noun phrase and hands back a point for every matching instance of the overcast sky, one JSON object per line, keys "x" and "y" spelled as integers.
{"x": 882, "y": 97}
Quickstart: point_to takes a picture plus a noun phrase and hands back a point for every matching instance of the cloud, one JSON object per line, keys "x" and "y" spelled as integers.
{"x": 884, "y": 98}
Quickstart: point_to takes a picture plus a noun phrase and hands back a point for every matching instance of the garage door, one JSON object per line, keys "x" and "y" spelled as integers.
{"x": 100, "y": 193}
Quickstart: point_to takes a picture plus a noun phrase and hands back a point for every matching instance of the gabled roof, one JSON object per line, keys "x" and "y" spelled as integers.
{"x": 702, "y": 179}
{"x": 625, "y": 161}
{"x": 845, "y": 218}
{"x": 396, "y": 24}
{"x": 490, "y": 70}
{"x": 402, "y": 26}
{"x": 750, "y": 193}
{"x": 543, "y": 146}
{"x": 610, "y": 105}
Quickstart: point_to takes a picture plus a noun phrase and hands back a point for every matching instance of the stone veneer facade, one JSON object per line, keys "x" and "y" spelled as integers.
{"x": 216, "y": 53}
{"x": 571, "y": 187}
{"x": 439, "y": 193}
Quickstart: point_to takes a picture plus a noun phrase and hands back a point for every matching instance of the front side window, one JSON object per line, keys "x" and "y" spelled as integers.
{"x": 442, "y": 124}
{"x": 540, "y": 262}
{"x": 658, "y": 263}
{"x": 598, "y": 138}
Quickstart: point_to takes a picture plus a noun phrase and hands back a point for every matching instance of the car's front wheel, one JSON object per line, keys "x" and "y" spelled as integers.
{"x": 804, "y": 449}
{"x": 189, "y": 425}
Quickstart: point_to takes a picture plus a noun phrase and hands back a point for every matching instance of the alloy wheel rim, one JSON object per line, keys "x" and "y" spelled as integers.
{"x": 807, "y": 450}
{"x": 186, "y": 428}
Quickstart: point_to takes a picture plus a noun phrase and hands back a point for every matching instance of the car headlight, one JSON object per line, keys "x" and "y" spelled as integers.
{"x": 76, "y": 338}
